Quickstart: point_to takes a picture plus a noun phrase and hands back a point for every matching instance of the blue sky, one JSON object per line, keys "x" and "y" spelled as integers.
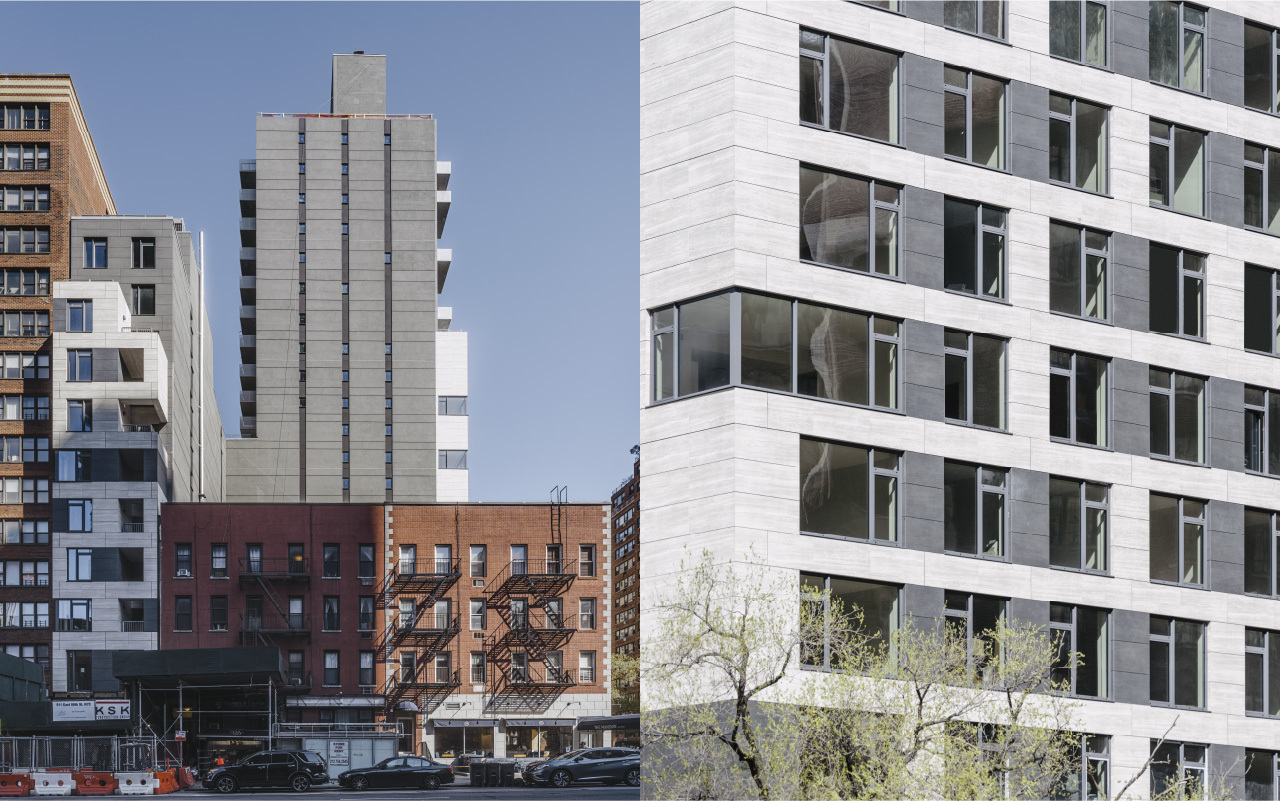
{"x": 538, "y": 108}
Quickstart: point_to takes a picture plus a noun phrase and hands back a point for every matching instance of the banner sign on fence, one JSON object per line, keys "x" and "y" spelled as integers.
{"x": 117, "y": 709}
{"x": 338, "y": 757}
{"x": 88, "y": 710}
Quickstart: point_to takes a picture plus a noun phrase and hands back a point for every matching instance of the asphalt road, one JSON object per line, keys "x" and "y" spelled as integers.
{"x": 456, "y": 792}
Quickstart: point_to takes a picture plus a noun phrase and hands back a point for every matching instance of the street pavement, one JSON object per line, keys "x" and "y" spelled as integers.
{"x": 453, "y": 792}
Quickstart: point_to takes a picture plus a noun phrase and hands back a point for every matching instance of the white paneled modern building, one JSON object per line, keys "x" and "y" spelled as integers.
{"x": 961, "y": 306}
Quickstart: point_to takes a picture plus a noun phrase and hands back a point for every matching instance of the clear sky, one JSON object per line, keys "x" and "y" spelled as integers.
{"x": 538, "y": 109}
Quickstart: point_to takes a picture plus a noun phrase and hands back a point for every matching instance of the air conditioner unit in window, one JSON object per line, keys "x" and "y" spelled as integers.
{"x": 477, "y": 635}
{"x": 184, "y": 574}
{"x": 366, "y": 691}
{"x": 366, "y": 581}
{"x": 296, "y": 680}
{"x": 366, "y": 635}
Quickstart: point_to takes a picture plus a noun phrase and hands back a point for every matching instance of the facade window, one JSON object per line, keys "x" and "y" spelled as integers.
{"x": 79, "y": 671}
{"x": 79, "y": 415}
{"x": 387, "y": 457}
{"x": 838, "y": 355}
{"x": 849, "y": 491}
{"x": 983, "y": 17}
{"x": 24, "y": 323}
{"x": 77, "y": 615}
{"x": 1078, "y": 392}
{"x": 182, "y": 560}
{"x": 332, "y": 554}
{"x": 144, "y": 299}
{"x": 366, "y": 616}
{"x": 95, "y": 254}
{"x": 974, "y": 249}
{"x": 586, "y": 561}
{"x": 586, "y": 613}
{"x": 452, "y": 405}
{"x": 217, "y": 613}
{"x": 33, "y": 365}
{"x": 1177, "y": 662}
{"x": 974, "y": 509}
{"x": 1261, "y": 429}
{"x": 452, "y": 460}
{"x": 477, "y": 614}
{"x": 1177, "y": 166}
{"x": 849, "y": 222}
{"x": 1262, "y": 188}
{"x": 1177, "y": 416}
{"x": 849, "y": 87}
{"x": 344, "y": 169}
{"x": 302, "y": 197}
{"x": 218, "y": 560}
{"x": 79, "y": 564}
{"x": 586, "y": 667}
{"x": 20, "y": 281}
{"x": 24, "y": 198}
{"x": 75, "y": 465}
{"x": 34, "y": 449}
{"x": 332, "y": 676}
{"x": 1176, "y": 292}
{"x": 1078, "y": 524}
{"x": 1261, "y": 553}
{"x": 1081, "y": 658}
{"x": 1176, "y": 47}
{"x": 24, "y": 240}
{"x": 366, "y": 676}
{"x": 1261, "y": 59}
{"x": 974, "y": 116}
{"x": 1078, "y": 31}
{"x": 1261, "y": 308}
{"x": 974, "y": 379}
{"x": 1178, "y": 770}
{"x": 878, "y": 604}
{"x": 144, "y": 253}
{"x": 34, "y": 490}
{"x": 345, "y": 199}
{"x": 974, "y": 620}
{"x": 1177, "y": 540}
{"x": 477, "y": 667}
{"x": 30, "y": 117}
{"x": 1262, "y": 672}
{"x": 80, "y": 316}
{"x": 479, "y": 561}
{"x": 366, "y": 562}
{"x": 332, "y": 619}
{"x": 80, "y": 515}
{"x": 1078, "y": 271}
{"x": 1087, "y": 771}
{"x": 25, "y": 157}
{"x": 1078, "y": 143}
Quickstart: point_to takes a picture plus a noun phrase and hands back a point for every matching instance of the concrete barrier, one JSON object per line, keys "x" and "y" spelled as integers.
{"x": 136, "y": 783}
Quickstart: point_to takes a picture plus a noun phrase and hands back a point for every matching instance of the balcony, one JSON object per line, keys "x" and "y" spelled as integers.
{"x": 135, "y": 626}
{"x": 249, "y": 320}
{"x": 297, "y": 681}
{"x": 257, "y": 627}
{"x": 442, "y": 211}
{"x": 275, "y": 568}
{"x": 249, "y": 403}
{"x": 248, "y": 232}
{"x": 444, "y": 171}
{"x": 131, "y": 528}
{"x": 248, "y": 290}
{"x": 248, "y": 202}
{"x": 249, "y": 427}
{"x": 248, "y": 376}
{"x": 538, "y": 676}
{"x": 248, "y": 173}
{"x": 444, "y": 257}
{"x": 249, "y": 261}
{"x": 248, "y": 349}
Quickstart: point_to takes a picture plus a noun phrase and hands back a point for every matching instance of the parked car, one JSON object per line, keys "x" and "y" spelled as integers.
{"x": 608, "y": 765}
{"x": 404, "y": 772}
{"x": 296, "y": 769}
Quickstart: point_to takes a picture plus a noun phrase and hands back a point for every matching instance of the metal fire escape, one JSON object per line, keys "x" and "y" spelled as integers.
{"x": 273, "y": 621}
{"x": 420, "y": 630}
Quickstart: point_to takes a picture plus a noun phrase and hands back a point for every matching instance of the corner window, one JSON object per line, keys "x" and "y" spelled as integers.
{"x": 1078, "y": 31}
{"x": 452, "y": 460}
{"x": 1262, "y": 430}
{"x": 1178, "y": 770}
{"x": 982, "y": 17}
{"x": 974, "y": 516}
{"x": 1078, "y": 521}
{"x": 1177, "y": 416}
{"x": 1176, "y": 292}
{"x": 1177, "y": 540}
{"x": 849, "y": 87}
{"x": 1177, "y": 167}
{"x": 974, "y": 620}
{"x": 974, "y": 117}
{"x": 1177, "y": 663}
{"x": 974, "y": 379}
{"x": 1261, "y": 309}
{"x": 1078, "y": 392}
{"x": 849, "y": 491}
{"x": 1078, "y": 259}
{"x": 1176, "y": 45}
{"x": 1261, "y": 58}
{"x": 1262, "y": 188}
{"x": 1081, "y": 659}
{"x": 1262, "y": 672}
{"x": 830, "y": 595}
{"x": 1078, "y": 143}
{"x": 849, "y": 222}
{"x": 973, "y": 248}
{"x": 1261, "y": 554}
{"x": 452, "y": 405}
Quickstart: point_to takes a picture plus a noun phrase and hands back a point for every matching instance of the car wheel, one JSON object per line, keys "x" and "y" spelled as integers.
{"x": 226, "y": 785}
{"x": 431, "y": 782}
{"x": 561, "y": 778}
{"x": 633, "y": 777}
{"x": 300, "y": 783}
{"x": 360, "y": 783}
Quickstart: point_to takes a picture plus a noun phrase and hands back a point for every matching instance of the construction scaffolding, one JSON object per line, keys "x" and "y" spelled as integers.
{"x": 106, "y": 754}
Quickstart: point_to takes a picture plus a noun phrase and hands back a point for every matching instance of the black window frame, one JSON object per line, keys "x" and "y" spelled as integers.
{"x": 967, "y": 92}
{"x": 979, "y": 6}
{"x": 144, "y": 250}
{"x": 1073, "y": 413}
{"x": 1170, "y": 392}
{"x": 1083, "y": 504}
{"x": 823, "y": 60}
{"x": 1082, "y": 30}
{"x": 1072, "y": 119}
{"x": 1066, "y": 636}
{"x": 982, "y": 490}
{"x": 969, "y": 356}
{"x": 893, "y": 209}
{"x": 1168, "y": 638}
{"x": 1169, "y": 143}
{"x": 1183, "y": 27}
{"x": 979, "y": 229}
{"x": 1268, "y": 681}
{"x": 182, "y": 613}
{"x": 878, "y": 472}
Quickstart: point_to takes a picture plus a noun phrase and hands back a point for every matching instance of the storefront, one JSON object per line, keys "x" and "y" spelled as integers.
{"x": 620, "y": 730}
{"x": 457, "y": 736}
{"x": 539, "y": 737}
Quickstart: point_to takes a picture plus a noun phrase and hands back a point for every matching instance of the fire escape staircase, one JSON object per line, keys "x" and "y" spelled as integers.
{"x": 427, "y": 686}
{"x": 539, "y": 580}
{"x": 427, "y": 632}
{"x": 266, "y": 575}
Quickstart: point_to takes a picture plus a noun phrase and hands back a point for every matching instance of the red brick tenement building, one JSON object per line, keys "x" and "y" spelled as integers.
{"x": 475, "y": 626}
{"x": 625, "y": 511}
{"x": 49, "y": 172}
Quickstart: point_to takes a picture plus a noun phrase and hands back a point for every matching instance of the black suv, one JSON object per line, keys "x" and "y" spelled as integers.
{"x": 296, "y": 769}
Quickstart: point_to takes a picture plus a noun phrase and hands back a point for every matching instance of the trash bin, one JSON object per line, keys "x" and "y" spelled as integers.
{"x": 507, "y": 773}
{"x": 492, "y": 773}
{"x": 475, "y": 773}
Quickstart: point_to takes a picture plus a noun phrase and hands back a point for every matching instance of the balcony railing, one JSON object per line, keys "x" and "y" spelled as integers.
{"x": 539, "y": 567}
{"x": 73, "y": 624}
{"x": 275, "y": 567}
{"x": 293, "y": 622}
{"x": 586, "y": 675}
{"x": 135, "y": 626}
{"x": 428, "y": 567}
{"x": 131, "y": 528}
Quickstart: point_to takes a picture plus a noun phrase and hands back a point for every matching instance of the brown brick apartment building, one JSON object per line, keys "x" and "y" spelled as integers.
{"x": 625, "y": 527}
{"x": 474, "y": 626}
{"x": 49, "y": 172}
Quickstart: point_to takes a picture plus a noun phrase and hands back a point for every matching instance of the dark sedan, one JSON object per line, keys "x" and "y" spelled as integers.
{"x": 296, "y": 769}
{"x": 608, "y": 765}
{"x": 398, "y": 772}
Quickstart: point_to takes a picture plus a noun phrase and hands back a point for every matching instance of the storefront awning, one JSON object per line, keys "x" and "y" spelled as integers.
{"x": 540, "y": 722}
{"x": 335, "y": 700}
{"x": 611, "y": 722}
{"x": 461, "y": 723}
